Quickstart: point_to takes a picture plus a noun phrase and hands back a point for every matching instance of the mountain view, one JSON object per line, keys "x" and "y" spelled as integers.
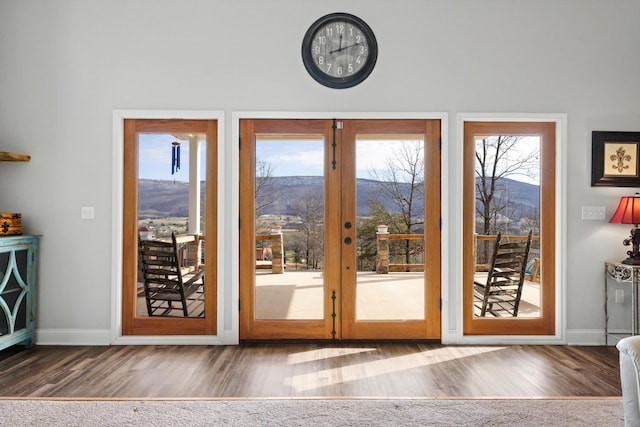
{"x": 165, "y": 198}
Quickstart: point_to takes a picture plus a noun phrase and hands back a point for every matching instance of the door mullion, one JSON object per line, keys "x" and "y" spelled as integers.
{"x": 347, "y": 195}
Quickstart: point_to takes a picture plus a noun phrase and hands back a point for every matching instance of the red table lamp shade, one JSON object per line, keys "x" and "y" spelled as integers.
{"x": 628, "y": 212}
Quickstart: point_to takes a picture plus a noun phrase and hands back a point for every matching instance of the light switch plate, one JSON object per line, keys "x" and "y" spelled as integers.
{"x": 593, "y": 213}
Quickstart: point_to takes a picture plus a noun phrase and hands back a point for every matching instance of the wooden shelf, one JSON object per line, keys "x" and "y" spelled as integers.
{"x": 13, "y": 157}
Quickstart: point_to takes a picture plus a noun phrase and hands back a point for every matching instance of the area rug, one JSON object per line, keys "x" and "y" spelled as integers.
{"x": 313, "y": 412}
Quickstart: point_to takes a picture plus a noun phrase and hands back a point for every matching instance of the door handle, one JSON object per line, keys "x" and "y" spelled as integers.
{"x": 347, "y": 240}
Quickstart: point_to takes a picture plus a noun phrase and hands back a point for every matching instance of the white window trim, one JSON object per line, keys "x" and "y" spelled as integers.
{"x": 116, "y": 243}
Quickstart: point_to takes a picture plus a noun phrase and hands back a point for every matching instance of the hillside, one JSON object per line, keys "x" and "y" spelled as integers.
{"x": 163, "y": 198}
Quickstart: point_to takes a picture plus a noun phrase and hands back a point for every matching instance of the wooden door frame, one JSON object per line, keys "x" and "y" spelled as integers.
{"x": 250, "y": 328}
{"x": 246, "y": 160}
{"x": 121, "y": 264}
{"x": 430, "y": 326}
{"x": 552, "y": 328}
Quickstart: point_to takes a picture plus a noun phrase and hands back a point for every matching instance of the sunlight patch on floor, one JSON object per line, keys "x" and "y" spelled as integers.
{"x": 323, "y": 353}
{"x": 360, "y": 371}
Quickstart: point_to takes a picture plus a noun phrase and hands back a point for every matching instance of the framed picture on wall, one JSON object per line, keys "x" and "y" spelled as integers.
{"x": 615, "y": 159}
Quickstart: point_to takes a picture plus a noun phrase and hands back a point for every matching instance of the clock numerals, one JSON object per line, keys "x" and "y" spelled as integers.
{"x": 339, "y": 49}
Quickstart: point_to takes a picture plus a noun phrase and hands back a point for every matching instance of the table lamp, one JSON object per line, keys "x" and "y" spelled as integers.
{"x": 628, "y": 212}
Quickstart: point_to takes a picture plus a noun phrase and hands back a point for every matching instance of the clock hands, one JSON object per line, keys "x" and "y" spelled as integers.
{"x": 343, "y": 48}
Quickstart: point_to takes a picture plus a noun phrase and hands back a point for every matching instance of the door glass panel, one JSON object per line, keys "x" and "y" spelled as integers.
{"x": 390, "y": 281}
{"x": 171, "y": 201}
{"x": 289, "y": 225}
{"x": 507, "y": 203}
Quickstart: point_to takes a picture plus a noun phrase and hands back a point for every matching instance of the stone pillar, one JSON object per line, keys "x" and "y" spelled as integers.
{"x": 194, "y": 252}
{"x": 277, "y": 250}
{"x": 382, "y": 257}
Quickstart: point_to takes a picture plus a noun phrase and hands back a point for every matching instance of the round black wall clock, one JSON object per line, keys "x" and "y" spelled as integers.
{"x": 339, "y": 50}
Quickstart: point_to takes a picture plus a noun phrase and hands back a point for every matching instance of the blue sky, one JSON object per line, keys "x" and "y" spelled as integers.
{"x": 155, "y": 158}
{"x": 306, "y": 157}
{"x": 286, "y": 157}
{"x": 292, "y": 158}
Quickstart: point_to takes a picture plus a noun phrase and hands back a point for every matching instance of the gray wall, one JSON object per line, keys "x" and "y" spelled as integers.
{"x": 66, "y": 65}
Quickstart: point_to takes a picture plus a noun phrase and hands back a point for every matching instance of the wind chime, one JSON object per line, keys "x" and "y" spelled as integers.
{"x": 175, "y": 158}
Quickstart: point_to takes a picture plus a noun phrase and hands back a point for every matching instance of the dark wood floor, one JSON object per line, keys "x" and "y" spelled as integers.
{"x": 403, "y": 370}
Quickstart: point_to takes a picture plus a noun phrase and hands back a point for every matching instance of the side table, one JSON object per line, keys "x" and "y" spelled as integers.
{"x": 627, "y": 274}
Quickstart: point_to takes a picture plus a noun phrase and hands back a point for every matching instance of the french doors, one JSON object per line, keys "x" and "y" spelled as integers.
{"x": 339, "y": 229}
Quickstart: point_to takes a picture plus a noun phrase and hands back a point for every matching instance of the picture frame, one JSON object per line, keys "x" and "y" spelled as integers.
{"x": 615, "y": 159}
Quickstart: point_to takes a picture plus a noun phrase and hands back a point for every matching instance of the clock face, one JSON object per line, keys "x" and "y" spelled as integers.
{"x": 339, "y": 50}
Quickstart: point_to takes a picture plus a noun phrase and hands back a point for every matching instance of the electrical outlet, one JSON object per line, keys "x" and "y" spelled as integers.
{"x": 87, "y": 212}
{"x": 593, "y": 213}
{"x": 619, "y": 296}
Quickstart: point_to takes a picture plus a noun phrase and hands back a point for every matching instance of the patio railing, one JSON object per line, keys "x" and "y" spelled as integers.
{"x": 384, "y": 266}
{"x": 271, "y": 257}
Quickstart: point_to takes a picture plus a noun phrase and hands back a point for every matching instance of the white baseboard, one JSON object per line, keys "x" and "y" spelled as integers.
{"x": 169, "y": 340}
{"x": 585, "y": 337}
{"x": 73, "y": 337}
{"x": 573, "y": 337}
{"x": 103, "y": 337}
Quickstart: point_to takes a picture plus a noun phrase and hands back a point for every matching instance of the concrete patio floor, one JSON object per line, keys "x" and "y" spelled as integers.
{"x": 298, "y": 295}
{"x": 393, "y": 296}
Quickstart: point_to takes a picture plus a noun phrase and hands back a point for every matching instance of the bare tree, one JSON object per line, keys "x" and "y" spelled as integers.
{"x": 402, "y": 182}
{"x": 266, "y": 192}
{"x": 497, "y": 157}
{"x": 310, "y": 210}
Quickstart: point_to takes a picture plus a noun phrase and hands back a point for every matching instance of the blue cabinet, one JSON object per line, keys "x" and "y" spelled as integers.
{"x": 18, "y": 260}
